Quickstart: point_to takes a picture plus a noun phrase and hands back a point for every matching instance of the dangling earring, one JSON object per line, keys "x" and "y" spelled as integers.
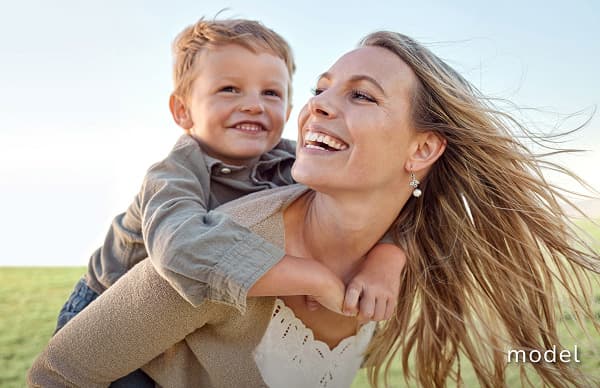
{"x": 414, "y": 183}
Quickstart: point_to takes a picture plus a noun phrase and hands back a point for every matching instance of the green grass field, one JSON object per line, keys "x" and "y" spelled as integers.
{"x": 30, "y": 299}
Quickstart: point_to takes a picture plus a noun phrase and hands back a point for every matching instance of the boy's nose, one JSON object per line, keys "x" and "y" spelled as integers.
{"x": 253, "y": 105}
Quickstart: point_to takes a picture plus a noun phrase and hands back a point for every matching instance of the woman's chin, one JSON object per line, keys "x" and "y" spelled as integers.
{"x": 321, "y": 184}
{"x": 303, "y": 179}
{"x": 311, "y": 177}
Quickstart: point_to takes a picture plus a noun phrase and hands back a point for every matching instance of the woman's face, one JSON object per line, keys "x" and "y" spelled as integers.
{"x": 356, "y": 133}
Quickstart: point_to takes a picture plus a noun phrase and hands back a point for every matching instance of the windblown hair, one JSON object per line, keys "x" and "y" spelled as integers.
{"x": 206, "y": 34}
{"x": 490, "y": 250}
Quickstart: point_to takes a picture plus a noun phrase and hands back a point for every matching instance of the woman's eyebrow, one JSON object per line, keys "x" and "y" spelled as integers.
{"x": 326, "y": 75}
{"x": 363, "y": 77}
{"x": 357, "y": 78}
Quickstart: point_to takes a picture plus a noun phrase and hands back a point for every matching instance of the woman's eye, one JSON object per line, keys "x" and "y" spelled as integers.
{"x": 228, "y": 89}
{"x": 360, "y": 95}
{"x": 316, "y": 91}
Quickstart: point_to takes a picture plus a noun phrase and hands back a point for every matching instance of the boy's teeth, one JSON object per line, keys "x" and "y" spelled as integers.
{"x": 325, "y": 139}
{"x": 315, "y": 147}
{"x": 249, "y": 127}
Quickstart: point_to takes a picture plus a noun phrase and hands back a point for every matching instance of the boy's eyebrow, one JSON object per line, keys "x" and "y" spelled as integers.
{"x": 357, "y": 78}
{"x": 237, "y": 78}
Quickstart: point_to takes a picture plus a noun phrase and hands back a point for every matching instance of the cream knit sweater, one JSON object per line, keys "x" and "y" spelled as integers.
{"x": 142, "y": 320}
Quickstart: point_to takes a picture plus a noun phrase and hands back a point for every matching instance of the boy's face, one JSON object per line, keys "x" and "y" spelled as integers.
{"x": 238, "y": 103}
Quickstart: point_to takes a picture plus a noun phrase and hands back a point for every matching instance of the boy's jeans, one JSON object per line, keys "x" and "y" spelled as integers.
{"x": 80, "y": 298}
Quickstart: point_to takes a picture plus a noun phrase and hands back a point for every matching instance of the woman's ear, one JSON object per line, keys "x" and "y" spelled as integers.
{"x": 429, "y": 147}
{"x": 180, "y": 112}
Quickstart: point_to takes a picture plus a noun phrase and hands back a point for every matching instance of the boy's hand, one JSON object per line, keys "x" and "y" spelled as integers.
{"x": 301, "y": 276}
{"x": 373, "y": 292}
{"x": 311, "y": 303}
{"x": 332, "y": 296}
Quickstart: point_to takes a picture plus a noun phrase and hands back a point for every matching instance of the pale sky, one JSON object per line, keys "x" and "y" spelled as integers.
{"x": 84, "y": 89}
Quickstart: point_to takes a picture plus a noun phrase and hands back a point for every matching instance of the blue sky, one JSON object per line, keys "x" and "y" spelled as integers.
{"x": 84, "y": 89}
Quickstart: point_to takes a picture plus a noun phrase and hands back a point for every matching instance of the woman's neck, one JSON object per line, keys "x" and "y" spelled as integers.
{"x": 339, "y": 230}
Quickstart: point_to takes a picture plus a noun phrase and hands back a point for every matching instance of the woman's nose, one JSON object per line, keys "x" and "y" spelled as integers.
{"x": 320, "y": 105}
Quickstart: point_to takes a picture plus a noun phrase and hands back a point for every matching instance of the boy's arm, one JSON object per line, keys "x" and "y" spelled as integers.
{"x": 202, "y": 254}
{"x": 373, "y": 292}
{"x": 123, "y": 247}
{"x": 300, "y": 276}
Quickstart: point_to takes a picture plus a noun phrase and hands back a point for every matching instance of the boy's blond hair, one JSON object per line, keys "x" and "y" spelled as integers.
{"x": 250, "y": 34}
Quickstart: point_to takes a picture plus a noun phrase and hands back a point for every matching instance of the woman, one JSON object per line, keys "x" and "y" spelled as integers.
{"x": 393, "y": 136}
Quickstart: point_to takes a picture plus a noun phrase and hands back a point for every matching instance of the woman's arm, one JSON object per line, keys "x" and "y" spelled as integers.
{"x": 127, "y": 326}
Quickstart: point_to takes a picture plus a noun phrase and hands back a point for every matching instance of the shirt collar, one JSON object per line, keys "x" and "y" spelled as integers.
{"x": 213, "y": 163}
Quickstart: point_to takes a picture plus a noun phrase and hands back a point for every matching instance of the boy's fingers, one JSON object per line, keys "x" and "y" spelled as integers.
{"x": 351, "y": 301}
{"x": 311, "y": 303}
{"x": 367, "y": 308}
{"x": 380, "y": 308}
{"x": 389, "y": 311}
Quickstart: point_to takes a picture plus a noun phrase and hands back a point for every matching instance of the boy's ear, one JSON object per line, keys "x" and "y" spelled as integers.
{"x": 429, "y": 146}
{"x": 180, "y": 112}
{"x": 287, "y": 114}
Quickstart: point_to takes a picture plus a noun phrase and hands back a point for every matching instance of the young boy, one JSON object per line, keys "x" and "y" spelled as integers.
{"x": 232, "y": 98}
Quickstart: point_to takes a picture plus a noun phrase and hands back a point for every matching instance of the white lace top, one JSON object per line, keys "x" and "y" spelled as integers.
{"x": 289, "y": 356}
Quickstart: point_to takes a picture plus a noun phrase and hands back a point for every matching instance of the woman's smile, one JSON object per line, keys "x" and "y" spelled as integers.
{"x": 316, "y": 138}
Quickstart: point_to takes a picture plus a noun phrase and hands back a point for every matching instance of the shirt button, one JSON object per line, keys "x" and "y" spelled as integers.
{"x": 225, "y": 170}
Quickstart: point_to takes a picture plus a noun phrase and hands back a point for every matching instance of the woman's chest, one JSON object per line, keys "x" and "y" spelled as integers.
{"x": 326, "y": 326}
{"x": 290, "y": 356}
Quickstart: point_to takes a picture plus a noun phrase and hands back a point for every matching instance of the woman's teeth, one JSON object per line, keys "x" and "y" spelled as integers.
{"x": 321, "y": 141}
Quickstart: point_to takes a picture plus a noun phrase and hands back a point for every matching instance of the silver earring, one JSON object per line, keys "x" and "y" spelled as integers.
{"x": 414, "y": 183}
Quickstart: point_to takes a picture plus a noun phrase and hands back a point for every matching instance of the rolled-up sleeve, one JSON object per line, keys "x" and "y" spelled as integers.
{"x": 201, "y": 254}
{"x": 123, "y": 248}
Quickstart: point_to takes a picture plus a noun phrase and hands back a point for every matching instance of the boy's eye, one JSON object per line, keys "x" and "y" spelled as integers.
{"x": 272, "y": 92}
{"x": 360, "y": 95}
{"x": 229, "y": 89}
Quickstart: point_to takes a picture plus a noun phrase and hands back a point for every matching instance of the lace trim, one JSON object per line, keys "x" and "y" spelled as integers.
{"x": 323, "y": 349}
{"x": 289, "y": 355}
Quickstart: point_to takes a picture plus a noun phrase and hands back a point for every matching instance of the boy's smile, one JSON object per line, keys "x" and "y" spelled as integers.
{"x": 249, "y": 126}
{"x": 238, "y": 103}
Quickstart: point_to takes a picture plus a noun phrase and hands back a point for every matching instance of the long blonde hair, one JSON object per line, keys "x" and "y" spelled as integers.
{"x": 489, "y": 247}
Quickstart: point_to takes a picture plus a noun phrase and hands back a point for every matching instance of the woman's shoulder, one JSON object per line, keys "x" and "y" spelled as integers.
{"x": 254, "y": 208}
